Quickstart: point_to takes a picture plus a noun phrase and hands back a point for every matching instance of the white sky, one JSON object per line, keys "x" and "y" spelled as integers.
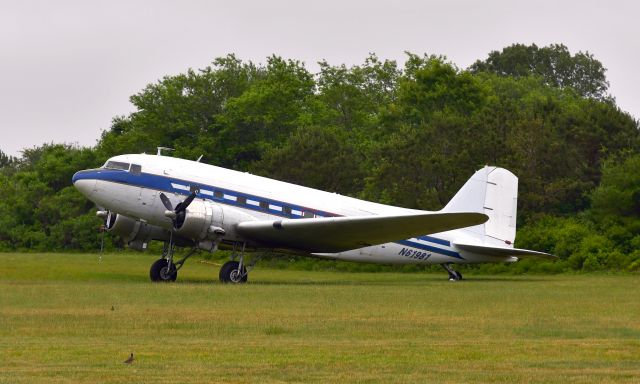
{"x": 68, "y": 67}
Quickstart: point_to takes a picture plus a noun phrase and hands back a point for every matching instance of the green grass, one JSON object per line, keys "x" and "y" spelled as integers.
{"x": 57, "y": 325}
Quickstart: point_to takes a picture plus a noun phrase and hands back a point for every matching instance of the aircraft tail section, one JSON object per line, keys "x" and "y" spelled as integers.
{"x": 494, "y": 192}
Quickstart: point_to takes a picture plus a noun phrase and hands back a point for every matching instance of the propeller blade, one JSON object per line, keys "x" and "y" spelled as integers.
{"x": 166, "y": 201}
{"x": 183, "y": 206}
{"x": 177, "y": 215}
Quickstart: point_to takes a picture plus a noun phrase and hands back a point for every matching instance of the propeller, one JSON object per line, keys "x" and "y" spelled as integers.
{"x": 177, "y": 215}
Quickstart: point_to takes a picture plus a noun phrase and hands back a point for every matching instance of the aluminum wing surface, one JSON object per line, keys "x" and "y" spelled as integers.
{"x": 336, "y": 234}
{"x": 503, "y": 251}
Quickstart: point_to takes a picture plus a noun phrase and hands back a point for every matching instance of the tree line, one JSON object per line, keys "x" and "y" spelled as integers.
{"x": 407, "y": 135}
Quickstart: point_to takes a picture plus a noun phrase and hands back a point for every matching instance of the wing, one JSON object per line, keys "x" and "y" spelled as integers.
{"x": 503, "y": 251}
{"x": 336, "y": 234}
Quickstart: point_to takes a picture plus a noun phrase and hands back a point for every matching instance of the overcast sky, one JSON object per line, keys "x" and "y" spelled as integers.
{"x": 68, "y": 67}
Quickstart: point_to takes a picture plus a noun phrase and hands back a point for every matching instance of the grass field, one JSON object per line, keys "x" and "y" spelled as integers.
{"x": 71, "y": 318}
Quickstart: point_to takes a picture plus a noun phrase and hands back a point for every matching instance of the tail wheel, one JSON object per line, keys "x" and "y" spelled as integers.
{"x": 230, "y": 273}
{"x": 161, "y": 272}
{"x": 453, "y": 275}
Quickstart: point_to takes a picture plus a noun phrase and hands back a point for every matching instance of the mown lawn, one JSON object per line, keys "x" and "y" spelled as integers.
{"x": 72, "y": 318}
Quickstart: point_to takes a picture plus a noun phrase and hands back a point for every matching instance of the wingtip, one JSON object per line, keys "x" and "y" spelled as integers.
{"x": 476, "y": 218}
{"x": 484, "y": 217}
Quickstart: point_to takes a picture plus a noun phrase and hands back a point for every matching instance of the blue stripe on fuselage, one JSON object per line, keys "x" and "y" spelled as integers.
{"x": 435, "y": 240}
{"x": 426, "y": 247}
{"x": 163, "y": 183}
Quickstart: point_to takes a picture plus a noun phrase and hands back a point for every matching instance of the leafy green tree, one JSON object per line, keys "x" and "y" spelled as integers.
{"x": 267, "y": 112}
{"x": 6, "y": 161}
{"x": 39, "y": 195}
{"x": 316, "y": 157}
{"x": 354, "y": 97}
{"x": 428, "y": 150}
{"x": 432, "y": 84}
{"x": 183, "y": 111}
{"x": 618, "y": 194}
{"x": 554, "y": 63}
{"x": 552, "y": 138}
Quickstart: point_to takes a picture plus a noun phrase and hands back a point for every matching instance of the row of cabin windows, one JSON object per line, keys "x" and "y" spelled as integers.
{"x": 137, "y": 170}
{"x": 262, "y": 204}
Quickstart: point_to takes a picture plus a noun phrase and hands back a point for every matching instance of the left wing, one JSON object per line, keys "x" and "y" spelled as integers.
{"x": 336, "y": 234}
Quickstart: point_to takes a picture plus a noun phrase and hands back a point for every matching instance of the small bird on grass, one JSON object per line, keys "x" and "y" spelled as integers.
{"x": 129, "y": 360}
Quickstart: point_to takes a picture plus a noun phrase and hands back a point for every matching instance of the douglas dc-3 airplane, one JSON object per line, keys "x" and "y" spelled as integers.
{"x": 187, "y": 203}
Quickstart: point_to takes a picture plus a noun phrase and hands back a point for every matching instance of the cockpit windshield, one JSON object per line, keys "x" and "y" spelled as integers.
{"x": 116, "y": 165}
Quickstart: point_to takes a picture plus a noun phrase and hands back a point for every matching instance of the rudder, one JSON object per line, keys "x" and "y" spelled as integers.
{"x": 494, "y": 192}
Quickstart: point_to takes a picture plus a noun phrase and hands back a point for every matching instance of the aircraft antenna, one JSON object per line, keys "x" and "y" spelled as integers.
{"x": 199, "y": 158}
{"x": 160, "y": 149}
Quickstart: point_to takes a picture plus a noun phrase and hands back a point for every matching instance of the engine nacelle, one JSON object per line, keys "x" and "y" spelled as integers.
{"x": 204, "y": 221}
{"x": 135, "y": 233}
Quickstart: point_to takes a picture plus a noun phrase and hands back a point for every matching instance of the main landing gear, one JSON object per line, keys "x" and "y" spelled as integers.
{"x": 233, "y": 271}
{"x": 165, "y": 269}
{"x": 237, "y": 272}
{"x": 453, "y": 275}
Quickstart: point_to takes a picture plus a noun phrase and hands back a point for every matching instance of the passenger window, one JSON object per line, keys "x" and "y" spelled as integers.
{"x": 136, "y": 169}
{"x": 117, "y": 165}
{"x": 241, "y": 200}
{"x": 264, "y": 204}
{"x": 308, "y": 214}
{"x": 218, "y": 194}
{"x": 286, "y": 210}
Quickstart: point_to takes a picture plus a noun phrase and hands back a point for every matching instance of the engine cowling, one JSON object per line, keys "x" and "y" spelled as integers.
{"x": 204, "y": 221}
{"x": 135, "y": 233}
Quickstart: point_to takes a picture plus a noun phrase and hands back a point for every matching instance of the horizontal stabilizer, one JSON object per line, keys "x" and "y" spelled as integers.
{"x": 336, "y": 234}
{"x": 502, "y": 251}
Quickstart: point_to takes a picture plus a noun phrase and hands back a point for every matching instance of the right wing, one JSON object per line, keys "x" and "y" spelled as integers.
{"x": 336, "y": 234}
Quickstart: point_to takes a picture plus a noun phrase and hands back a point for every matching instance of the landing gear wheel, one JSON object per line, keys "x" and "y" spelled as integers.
{"x": 453, "y": 275}
{"x": 229, "y": 273}
{"x": 160, "y": 271}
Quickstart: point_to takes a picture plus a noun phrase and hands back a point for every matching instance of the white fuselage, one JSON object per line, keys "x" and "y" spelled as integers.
{"x": 136, "y": 195}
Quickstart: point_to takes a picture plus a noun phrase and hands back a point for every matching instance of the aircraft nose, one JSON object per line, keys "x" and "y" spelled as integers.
{"x": 76, "y": 177}
{"x": 84, "y": 186}
{"x": 82, "y": 183}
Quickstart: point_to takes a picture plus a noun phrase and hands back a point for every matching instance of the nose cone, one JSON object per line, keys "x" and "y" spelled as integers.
{"x": 83, "y": 183}
{"x": 76, "y": 177}
{"x": 85, "y": 186}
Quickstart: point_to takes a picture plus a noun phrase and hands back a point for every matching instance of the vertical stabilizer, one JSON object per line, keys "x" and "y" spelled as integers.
{"x": 494, "y": 192}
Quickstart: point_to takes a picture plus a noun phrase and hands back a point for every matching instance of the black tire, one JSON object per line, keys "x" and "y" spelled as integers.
{"x": 229, "y": 273}
{"x": 160, "y": 272}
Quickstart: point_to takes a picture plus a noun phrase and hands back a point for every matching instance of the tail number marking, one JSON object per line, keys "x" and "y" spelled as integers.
{"x": 413, "y": 254}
